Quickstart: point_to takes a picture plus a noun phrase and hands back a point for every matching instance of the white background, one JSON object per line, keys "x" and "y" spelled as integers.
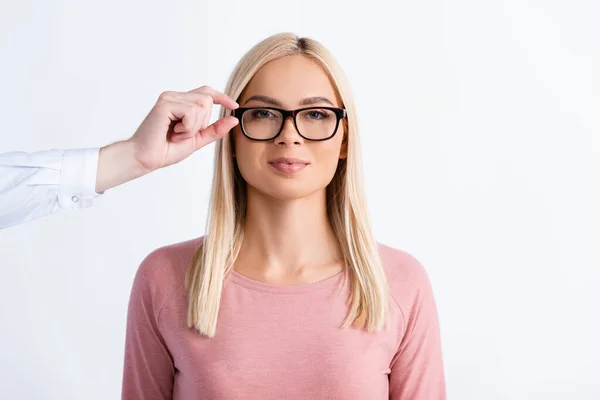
{"x": 481, "y": 143}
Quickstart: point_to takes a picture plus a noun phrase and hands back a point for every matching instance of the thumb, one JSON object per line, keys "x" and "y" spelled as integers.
{"x": 215, "y": 131}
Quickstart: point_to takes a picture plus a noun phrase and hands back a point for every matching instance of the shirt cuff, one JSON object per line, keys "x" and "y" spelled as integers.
{"x": 77, "y": 186}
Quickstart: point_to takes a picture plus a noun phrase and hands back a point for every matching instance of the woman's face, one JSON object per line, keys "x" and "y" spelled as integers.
{"x": 288, "y": 83}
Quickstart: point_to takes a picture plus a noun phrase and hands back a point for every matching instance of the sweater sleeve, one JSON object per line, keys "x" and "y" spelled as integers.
{"x": 417, "y": 371}
{"x": 148, "y": 371}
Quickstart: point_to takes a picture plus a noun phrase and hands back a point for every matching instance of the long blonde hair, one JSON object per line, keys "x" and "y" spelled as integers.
{"x": 347, "y": 208}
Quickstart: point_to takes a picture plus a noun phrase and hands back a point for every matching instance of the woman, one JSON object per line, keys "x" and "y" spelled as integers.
{"x": 288, "y": 295}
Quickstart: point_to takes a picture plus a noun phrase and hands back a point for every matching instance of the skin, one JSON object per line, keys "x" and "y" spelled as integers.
{"x": 288, "y": 238}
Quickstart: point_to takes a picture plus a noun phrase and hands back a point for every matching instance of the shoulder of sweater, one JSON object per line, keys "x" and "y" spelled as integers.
{"x": 407, "y": 277}
{"x": 164, "y": 268}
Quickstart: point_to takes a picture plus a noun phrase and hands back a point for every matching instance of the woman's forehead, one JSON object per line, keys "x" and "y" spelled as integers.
{"x": 290, "y": 81}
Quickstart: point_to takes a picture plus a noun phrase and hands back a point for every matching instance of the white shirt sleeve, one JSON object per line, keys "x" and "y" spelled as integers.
{"x": 33, "y": 185}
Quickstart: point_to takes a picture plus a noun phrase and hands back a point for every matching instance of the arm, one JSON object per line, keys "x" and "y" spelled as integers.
{"x": 148, "y": 371}
{"x": 34, "y": 185}
{"x": 417, "y": 371}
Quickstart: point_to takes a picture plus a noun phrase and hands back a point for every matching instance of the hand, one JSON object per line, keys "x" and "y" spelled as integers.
{"x": 176, "y": 126}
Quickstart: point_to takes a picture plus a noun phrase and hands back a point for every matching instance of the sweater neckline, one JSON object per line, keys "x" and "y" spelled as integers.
{"x": 250, "y": 283}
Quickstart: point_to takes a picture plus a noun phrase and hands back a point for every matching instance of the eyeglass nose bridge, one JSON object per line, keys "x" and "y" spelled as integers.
{"x": 285, "y": 114}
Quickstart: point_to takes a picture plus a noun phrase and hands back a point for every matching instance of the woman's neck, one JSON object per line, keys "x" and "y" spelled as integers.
{"x": 287, "y": 238}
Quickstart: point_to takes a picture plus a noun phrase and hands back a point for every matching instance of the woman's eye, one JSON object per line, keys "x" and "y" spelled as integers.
{"x": 318, "y": 114}
{"x": 261, "y": 114}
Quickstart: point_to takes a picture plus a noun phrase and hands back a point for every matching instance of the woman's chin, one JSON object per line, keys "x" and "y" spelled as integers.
{"x": 286, "y": 191}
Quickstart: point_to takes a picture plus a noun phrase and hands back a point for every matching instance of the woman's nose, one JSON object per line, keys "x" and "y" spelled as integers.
{"x": 289, "y": 135}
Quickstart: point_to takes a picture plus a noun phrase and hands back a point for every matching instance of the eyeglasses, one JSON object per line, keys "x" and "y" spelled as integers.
{"x": 312, "y": 123}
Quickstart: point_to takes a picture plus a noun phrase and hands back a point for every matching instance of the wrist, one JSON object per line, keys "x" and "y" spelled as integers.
{"x": 117, "y": 164}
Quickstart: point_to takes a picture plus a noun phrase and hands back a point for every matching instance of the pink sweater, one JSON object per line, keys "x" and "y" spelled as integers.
{"x": 279, "y": 342}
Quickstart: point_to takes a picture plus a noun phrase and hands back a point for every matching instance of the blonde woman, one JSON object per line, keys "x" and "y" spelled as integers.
{"x": 288, "y": 295}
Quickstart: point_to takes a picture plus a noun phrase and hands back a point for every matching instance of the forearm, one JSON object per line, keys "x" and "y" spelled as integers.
{"x": 116, "y": 165}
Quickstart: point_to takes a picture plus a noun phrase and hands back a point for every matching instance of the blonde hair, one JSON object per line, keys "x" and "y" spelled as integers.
{"x": 347, "y": 208}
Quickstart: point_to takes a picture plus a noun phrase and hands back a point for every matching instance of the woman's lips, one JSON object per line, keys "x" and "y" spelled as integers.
{"x": 288, "y": 165}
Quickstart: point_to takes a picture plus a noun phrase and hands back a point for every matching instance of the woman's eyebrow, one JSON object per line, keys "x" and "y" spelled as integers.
{"x": 265, "y": 99}
{"x": 304, "y": 102}
{"x": 314, "y": 100}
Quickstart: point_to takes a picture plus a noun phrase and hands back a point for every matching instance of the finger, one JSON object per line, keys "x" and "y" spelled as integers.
{"x": 215, "y": 131}
{"x": 191, "y": 123}
{"x": 218, "y": 97}
{"x": 201, "y": 96}
{"x": 188, "y": 122}
{"x": 206, "y": 121}
{"x": 202, "y": 100}
{"x": 205, "y": 102}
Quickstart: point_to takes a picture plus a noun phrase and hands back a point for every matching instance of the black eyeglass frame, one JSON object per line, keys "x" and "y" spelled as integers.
{"x": 340, "y": 113}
